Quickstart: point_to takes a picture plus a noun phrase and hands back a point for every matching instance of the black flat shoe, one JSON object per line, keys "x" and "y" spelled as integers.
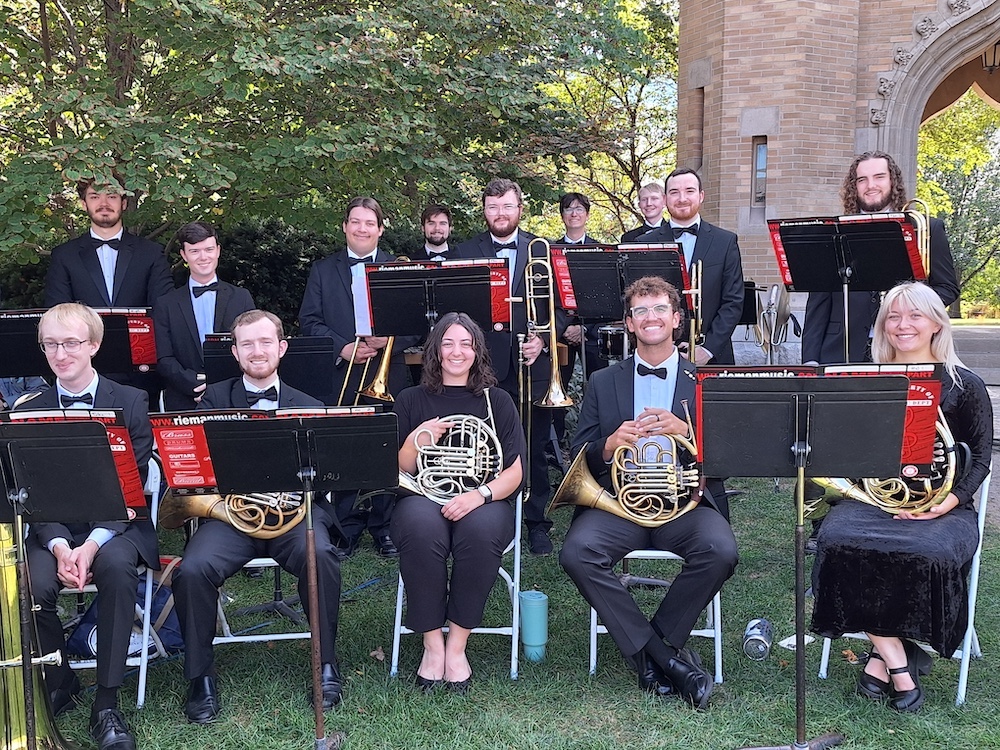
{"x": 203, "y": 701}
{"x": 65, "y": 698}
{"x": 872, "y": 687}
{"x": 689, "y": 679}
{"x": 425, "y": 685}
{"x": 110, "y": 732}
{"x": 651, "y": 677}
{"x": 332, "y": 686}
{"x": 907, "y": 701}
{"x": 459, "y": 688}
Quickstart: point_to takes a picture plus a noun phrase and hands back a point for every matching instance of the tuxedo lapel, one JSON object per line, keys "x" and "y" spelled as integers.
{"x": 625, "y": 389}
{"x": 343, "y": 266}
{"x": 186, "y": 305}
{"x": 703, "y": 243}
{"x": 238, "y": 395}
{"x": 104, "y": 398}
{"x": 684, "y": 390}
{"x": 90, "y": 261}
{"x": 521, "y": 261}
{"x": 121, "y": 266}
{"x": 222, "y": 296}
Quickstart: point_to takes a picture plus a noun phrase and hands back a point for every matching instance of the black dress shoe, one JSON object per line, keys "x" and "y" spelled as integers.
{"x": 426, "y": 685}
{"x": 110, "y": 732}
{"x": 332, "y": 685}
{"x": 870, "y": 686}
{"x": 347, "y": 550}
{"x": 907, "y": 701}
{"x": 203, "y": 701}
{"x": 651, "y": 677}
{"x": 384, "y": 546}
{"x": 690, "y": 681}
{"x": 460, "y": 688}
{"x": 539, "y": 542}
{"x": 64, "y": 699}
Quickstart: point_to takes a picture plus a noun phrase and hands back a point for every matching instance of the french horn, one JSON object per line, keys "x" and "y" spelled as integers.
{"x": 262, "y": 515}
{"x": 467, "y": 456}
{"x": 899, "y": 494}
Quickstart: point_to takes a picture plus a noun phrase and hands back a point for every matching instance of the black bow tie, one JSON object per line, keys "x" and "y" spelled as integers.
{"x": 97, "y": 242}
{"x": 66, "y": 401}
{"x": 355, "y": 261}
{"x": 271, "y": 394}
{"x": 660, "y": 372}
{"x": 200, "y": 290}
{"x": 678, "y": 231}
{"x": 504, "y": 246}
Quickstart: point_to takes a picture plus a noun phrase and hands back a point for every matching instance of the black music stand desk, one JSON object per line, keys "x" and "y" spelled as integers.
{"x": 815, "y": 427}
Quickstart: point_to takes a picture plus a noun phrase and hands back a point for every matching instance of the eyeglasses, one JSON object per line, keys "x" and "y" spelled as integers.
{"x": 70, "y": 347}
{"x": 643, "y": 312}
{"x": 507, "y": 208}
{"x": 575, "y": 210}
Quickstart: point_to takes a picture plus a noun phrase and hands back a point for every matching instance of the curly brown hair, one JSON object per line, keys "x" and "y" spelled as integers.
{"x": 849, "y": 190}
{"x": 481, "y": 376}
{"x": 652, "y": 286}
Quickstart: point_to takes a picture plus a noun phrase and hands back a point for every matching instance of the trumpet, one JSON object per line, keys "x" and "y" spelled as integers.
{"x": 539, "y": 287}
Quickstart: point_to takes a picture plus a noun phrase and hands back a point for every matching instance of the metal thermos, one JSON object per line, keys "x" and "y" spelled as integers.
{"x": 757, "y": 639}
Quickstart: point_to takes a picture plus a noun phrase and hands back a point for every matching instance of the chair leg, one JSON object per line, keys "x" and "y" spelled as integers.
{"x": 593, "y": 641}
{"x": 396, "y": 629}
{"x": 824, "y": 661}
{"x": 147, "y": 613}
{"x": 715, "y": 611}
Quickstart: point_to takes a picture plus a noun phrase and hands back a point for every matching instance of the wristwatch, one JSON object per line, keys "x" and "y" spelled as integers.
{"x": 487, "y": 494}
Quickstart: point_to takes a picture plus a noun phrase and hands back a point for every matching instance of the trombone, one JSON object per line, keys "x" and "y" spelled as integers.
{"x": 695, "y": 335}
{"x": 539, "y": 287}
{"x": 919, "y": 214}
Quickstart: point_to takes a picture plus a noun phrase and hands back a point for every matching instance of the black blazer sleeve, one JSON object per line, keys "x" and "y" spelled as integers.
{"x": 942, "y": 277}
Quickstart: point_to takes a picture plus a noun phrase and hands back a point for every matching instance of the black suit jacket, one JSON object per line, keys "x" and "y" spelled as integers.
{"x": 231, "y": 394}
{"x": 633, "y": 235}
{"x": 608, "y": 402}
{"x": 503, "y": 344}
{"x": 823, "y": 329}
{"x": 179, "y": 353}
{"x": 135, "y": 405}
{"x": 328, "y": 310}
{"x": 142, "y": 274}
{"x": 721, "y": 285}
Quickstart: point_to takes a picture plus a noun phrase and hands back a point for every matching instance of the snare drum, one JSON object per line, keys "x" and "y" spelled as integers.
{"x": 613, "y": 342}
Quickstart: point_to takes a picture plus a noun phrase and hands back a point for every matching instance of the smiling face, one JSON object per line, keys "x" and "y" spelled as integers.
{"x": 574, "y": 218}
{"x": 104, "y": 209}
{"x": 437, "y": 229}
{"x": 202, "y": 259}
{"x": 651, "y": 205}
{"x": 458, "y": 354}
{"x": 874, "y": 185}
{"x": 73, "y": 368}
{"x": 258, "y": 350}
{"x": 652, "y": 319}
{"x": 503, "y": 214}
{"x": 362, "y": 231}
{"x": 684, "y": 198}
{"x": 910, "y": 332}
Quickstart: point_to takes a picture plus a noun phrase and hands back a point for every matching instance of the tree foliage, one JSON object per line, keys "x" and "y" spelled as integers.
{"x": 959, "y": 156}
{"x": 230, "y": 110}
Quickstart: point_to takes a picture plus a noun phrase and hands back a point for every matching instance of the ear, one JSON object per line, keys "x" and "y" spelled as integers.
{"x": 235, "y": 355}
{"x": 282, "y": 348}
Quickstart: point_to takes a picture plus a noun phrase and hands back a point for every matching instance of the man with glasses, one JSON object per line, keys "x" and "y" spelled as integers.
{"x": 105, "y": 553}
{"x": 651, "y": 202}
{"x": 645, "y": 396}
{"x": 182, "y": 318}
{"x": 502, "y": 208}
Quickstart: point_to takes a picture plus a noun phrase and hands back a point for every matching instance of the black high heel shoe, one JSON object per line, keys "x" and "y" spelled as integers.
{"x": 907, "y": 701}
{"x": 872, "y": 687}
{"x": 918, "y": 657}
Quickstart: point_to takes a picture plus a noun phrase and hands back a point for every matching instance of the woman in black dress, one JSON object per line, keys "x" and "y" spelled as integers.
{"x": 904, "y": 576}
{"x": 472, "y": 527}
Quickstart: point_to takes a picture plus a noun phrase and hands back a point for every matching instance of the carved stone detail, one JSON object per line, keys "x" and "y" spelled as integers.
{"x": 926, "y": 26}
{"x": 878, "y": 116}
{"x": 885, "y": 87}
{"x": 959, "y": 7}
{"x": 902, "y": 56}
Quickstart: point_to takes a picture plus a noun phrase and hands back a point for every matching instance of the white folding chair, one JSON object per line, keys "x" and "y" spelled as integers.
{"x": 142, "y": 612}
{"x": 512, "y": 580}
{"x": 970, "y": 644}
{"x": 713, "y": 613}
{"x": 226, "y": 634}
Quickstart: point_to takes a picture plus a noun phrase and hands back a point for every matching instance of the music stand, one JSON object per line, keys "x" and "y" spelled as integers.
{"x": 407, "y": 301}
{"x": 813, "y": 427}
{"x": 845, "y": 256}
{"x": 310, "y": 454}
{"x": 42, "y": 464}
{"x": 23, "y": 357}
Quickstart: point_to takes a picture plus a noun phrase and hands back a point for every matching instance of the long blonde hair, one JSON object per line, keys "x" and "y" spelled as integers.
{"x": 918, "y": 296}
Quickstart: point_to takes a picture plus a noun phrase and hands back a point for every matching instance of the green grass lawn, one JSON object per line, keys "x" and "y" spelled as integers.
{"x": 555, "y": 703}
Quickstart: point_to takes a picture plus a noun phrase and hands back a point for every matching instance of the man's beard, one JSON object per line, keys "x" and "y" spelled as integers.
{"x": 435, "y": 242}
{"x": 874, "y": 208}
{"x": 106, "y": 221}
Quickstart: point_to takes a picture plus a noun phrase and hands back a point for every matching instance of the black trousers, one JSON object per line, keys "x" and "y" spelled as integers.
{"x": 217, "y": 551}
{"x": 116, "y": 577}
{"x": 373, "y": 515}
{"x": 541, "y": 427}
{"x": 597, "y": 540}
{"x": 426, "y": 539}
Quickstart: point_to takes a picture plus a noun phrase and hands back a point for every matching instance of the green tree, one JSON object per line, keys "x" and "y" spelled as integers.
{"x": 236, "y": 109}
{"x": 959, "y": 158}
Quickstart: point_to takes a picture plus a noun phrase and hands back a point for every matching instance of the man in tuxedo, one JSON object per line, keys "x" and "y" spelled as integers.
{"x": 217, "y": 550}
{"x": 105, "y": 553}
{"x": 502, "y": 208}
{"x": 109, "y": 267}
{"x": 436, "y": 223}
{"x": 721, "y": 267}
{"x": 651, "y": 202}
{"x": 335, "y": 304}
{"x": 874, "y": 184}
{"x": 645, "y": 396}
{"x": 183, "y": 317}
